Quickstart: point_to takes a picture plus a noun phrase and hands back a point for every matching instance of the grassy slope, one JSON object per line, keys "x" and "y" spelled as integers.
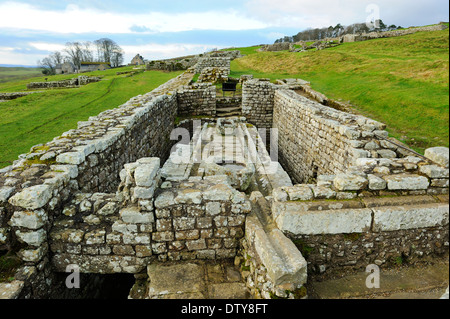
{"x": 38, "y": 118}
{"x": 13, "y": 74}
{"x": 401, "y": 81}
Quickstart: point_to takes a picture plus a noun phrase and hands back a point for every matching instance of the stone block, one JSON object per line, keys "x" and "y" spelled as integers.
{"x": 406, "y": 182}
{"x": 293, "y": 219}
{"x": 350, "y": 182}
{"x": 145, "y": 174}
{"x": 439, "y": 155}
{"x": 33, "y": 197}
{"x": 29, "y": 219}
{"x": 410, "y": 217}
{"x": 434, "y": 171}
{"x": 133, "y": 215}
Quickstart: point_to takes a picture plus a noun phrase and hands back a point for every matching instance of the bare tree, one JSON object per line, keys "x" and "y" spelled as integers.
{"x": 75, "y": 52}
{"x": 109, "y": 51}
{"x": 87, "y": 54}
{"x": 48, "y": 65}
{"x": 117, "y": 57}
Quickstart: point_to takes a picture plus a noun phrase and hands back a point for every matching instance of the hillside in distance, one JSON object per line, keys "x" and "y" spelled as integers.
{"x": 401, "y": 81}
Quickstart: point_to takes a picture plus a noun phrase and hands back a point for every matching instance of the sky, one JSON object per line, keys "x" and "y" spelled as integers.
{"x": 156, "y": 29}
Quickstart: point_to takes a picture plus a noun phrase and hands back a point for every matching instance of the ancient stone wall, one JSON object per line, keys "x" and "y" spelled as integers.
{"x": 213, "y": 75}
{"x": 81, "y": 80}
{"x": 212, "y": 62}
{"x": 35, "y": 190}
{"x": 333, "y": 234}
{"x": 277, "y": 47}
{"x": 197, "y": 99}
{"x": 14, "y": 95}
{"x": 316, "y": 139}
{"x": 258, "y": 101}
{"x": 393, "y": 33}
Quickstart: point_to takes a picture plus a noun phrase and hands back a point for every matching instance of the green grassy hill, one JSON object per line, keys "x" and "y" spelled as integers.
{"x": 8, "y": 74}
{"x": 38, "y": 118}
{"x": 402, "y": 81}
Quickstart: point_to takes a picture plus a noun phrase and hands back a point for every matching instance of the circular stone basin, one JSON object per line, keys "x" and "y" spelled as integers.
{"x": 239, "y": 173}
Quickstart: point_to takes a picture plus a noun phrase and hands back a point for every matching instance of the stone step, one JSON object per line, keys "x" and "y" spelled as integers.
{"x": 229, "y": 109}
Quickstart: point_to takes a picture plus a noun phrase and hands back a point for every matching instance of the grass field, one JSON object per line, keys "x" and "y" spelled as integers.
{"x": 38, "y": 118}
{"x": 14, "y": 74}
{"x": 402, "y": 81}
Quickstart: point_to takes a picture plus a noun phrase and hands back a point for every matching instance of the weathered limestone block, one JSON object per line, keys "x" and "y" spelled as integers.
{"x": 33, "y": 255}
{"x": 164, "y": 200}
{"x": 376, "y": 183}
{"x": 74, "y": 158}
{"x": 33, "y": 197}
{"x": 29, "y": 219}
{"x": 5, "y": 193}
{"x": 406, "y": 182}
{"x": 410, "y": 217}
{"x": 434, "y": 171}
{"x": 35, "y": 238}
{"x": 95, "y": 237}
{"x": 11, "y": 290}
{"x": 300, "y": 192}
{"x": 145, "y": 174}
{"x": 134, "y": 215}
{"x": 322, "y": 192}
{"x": 291, "y": 217}
{"x": 220, "y": 192}
{"x": 283, "y": 261}
{"x": 74, "y": 236}
{"x": 439, "y": 155}
{"x": 350, "y": 182}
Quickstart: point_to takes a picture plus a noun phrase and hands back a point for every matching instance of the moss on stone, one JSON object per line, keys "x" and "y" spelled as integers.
{"x": 9, "y": 264}
{"x": 353, "y": 237}
{"x": 303, "y": 247}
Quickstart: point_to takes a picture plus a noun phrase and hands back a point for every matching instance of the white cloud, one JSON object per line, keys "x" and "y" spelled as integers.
{"x": 42, "y": 46}
{"x": 76, "y": 20}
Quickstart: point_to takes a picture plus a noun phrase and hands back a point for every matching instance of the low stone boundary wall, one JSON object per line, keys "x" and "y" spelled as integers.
{"x": 79, "y": 81}
{"x": 14, "y": 95}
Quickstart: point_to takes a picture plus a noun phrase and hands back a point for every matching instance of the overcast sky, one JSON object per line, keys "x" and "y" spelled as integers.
{"x": 31, "y": 30}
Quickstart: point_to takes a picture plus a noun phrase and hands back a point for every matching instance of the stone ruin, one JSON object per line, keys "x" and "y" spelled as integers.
{"x": 291, "y": 190}
{"x": 71, "y": 83}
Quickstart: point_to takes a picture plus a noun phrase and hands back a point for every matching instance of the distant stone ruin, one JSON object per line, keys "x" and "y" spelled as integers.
{"x": 288, "y": 190}
{"x": 72, "y": 83}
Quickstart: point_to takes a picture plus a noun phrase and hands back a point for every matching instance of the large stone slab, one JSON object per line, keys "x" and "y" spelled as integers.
{"x": 291, "y": 218}
{"x": 406, "y": 182}
{"x": 410, "y": 217}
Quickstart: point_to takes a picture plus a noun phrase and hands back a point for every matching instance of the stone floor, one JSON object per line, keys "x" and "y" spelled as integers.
{"x": 418, "y": 282}
{"x": 191, "y": 280}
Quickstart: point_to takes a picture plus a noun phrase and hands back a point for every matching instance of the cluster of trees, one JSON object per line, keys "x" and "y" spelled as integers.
{"x": 336, "y": 31}
{"x": 102, "y": 50}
